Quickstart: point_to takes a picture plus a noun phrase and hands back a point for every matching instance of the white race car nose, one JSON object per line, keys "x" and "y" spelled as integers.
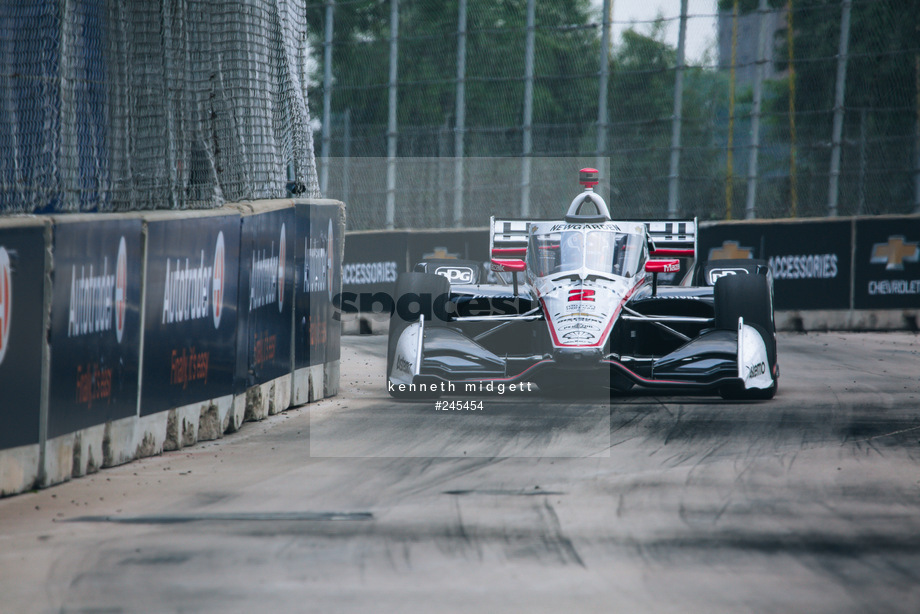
{"x": 577, "y": 358}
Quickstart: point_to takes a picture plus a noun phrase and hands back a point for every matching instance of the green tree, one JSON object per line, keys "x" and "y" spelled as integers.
{"x": 566, "y": 44}
{"x": 641, "y": 99}
{"x": 880, "y": 91}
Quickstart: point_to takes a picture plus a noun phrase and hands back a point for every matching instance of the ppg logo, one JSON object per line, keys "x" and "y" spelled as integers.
{"x": 715, "y": 274}
{"x": 456, "y": 274}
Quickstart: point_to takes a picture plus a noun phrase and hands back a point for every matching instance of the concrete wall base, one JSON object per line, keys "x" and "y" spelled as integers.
{"x": 120, "y": 442}
{"x": 182, "y": 425}
{"x": 854, "y": 320}
{"x": 151, "y": 434}
{"x": 19, "y": 469}
{"x": 237, "y": 415}
{"x": 268, "y": 399}
{"x": 223, "y": 410}
{"x": 331, "y": 378}
{"x": 308, "y": 385}
{"x": 58, "y": 460}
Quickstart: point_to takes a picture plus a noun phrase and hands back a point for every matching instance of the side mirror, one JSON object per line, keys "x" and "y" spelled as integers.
{"x": 515, "y": 266}
{"x": 662, "y": 266}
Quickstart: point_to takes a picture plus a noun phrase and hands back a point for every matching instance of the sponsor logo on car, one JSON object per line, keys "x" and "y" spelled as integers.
{"x": 403, "y": 365}
{"x": 580, "y": 294}
{"x": 605, "y": 226}
{"x": 716, "y": 274}
{"x": 456, "y": 274}
{"x": 577, "y": 334}
{"x": 754, "y": 370}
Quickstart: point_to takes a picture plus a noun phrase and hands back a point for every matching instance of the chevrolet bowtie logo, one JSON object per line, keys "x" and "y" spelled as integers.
{"x": 730, "y": 250}
{"x": 894, "y": 253}
{"x": 440, "y": 253}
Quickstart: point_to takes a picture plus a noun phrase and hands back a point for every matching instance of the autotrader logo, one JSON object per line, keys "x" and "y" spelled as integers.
{"x": 281, "y": 255}
{"x": 6, "y": 301}
{"x": 329, "y": 248}
{"x": 121, "y": 289}
{"x": 217, "y": 281}
{"x": 895, "y": 253}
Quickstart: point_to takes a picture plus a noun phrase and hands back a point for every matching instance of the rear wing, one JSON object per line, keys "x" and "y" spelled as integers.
{"x": 667, "y": 238}
{"x": 674, "y": 238}
{"x": 508, "y": 244}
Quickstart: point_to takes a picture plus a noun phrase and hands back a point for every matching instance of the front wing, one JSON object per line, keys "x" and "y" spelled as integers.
{"x": 431, "y": 358}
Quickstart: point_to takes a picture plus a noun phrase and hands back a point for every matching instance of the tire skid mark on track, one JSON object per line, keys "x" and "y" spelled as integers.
{"x": 555, "y": 539}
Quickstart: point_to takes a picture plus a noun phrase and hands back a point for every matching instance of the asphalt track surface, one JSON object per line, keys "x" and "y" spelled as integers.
{"x": 807, "y": 503}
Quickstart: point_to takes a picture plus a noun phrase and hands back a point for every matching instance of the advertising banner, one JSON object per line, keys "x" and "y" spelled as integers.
{"x": 449, "y": 244}
{"x": 336, "y": 228}
{"x": 190, "y": 322}
{"x": 22, "y": 275}
{"x": 373, "y": 260}
{"x": 810, "y": 261}
{"x": 95, "y": 323}
{"x": 317, "y": 228}
{"x": 887, "y": 271}
{"x": 266, "y": 298}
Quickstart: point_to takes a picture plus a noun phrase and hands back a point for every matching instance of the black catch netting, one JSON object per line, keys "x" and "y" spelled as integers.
{"x": 119, "y": 106}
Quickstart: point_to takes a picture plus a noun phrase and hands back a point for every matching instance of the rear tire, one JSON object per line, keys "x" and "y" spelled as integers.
{"x": 428, "y": 287}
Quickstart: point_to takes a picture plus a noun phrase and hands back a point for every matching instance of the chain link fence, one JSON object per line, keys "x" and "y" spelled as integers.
{"x": 116, "y": 106}
{"x": 797, "y": 108}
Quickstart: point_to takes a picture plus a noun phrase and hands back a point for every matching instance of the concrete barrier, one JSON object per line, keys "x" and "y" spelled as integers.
{"x": 33, "y": 458}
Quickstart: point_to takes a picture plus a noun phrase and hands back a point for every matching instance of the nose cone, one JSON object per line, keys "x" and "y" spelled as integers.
{"x": 581, "y": 315}
{"x": 576, "y": 358}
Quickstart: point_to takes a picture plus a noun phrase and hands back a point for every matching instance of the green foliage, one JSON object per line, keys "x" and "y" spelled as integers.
{"x": 427, "y": 60}
{"x": 747, "y": 6}
{"x": 880, "y": 78}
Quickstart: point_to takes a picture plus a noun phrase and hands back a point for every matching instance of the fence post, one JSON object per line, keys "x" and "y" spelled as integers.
{"x": 327, "y": 98}
{"x": 834, "y": 185}
{"x": 790, "y": 44}
{"x": 346, "y": 157}
{"x": 674, "y": 174}
{"x": 917, "y": 127}
{"x": 528, "y": 110}
{"x": 602, "y": 87}
{"x": 750, "y": 207}
{"x": 391, "y": 123}
{"x": 460, "y": 110}
{"x": 730, "y": 150}
{"x": 861, "y": 191}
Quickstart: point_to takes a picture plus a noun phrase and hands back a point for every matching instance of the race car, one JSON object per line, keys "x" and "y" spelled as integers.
{"x": 585, "y": 302}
